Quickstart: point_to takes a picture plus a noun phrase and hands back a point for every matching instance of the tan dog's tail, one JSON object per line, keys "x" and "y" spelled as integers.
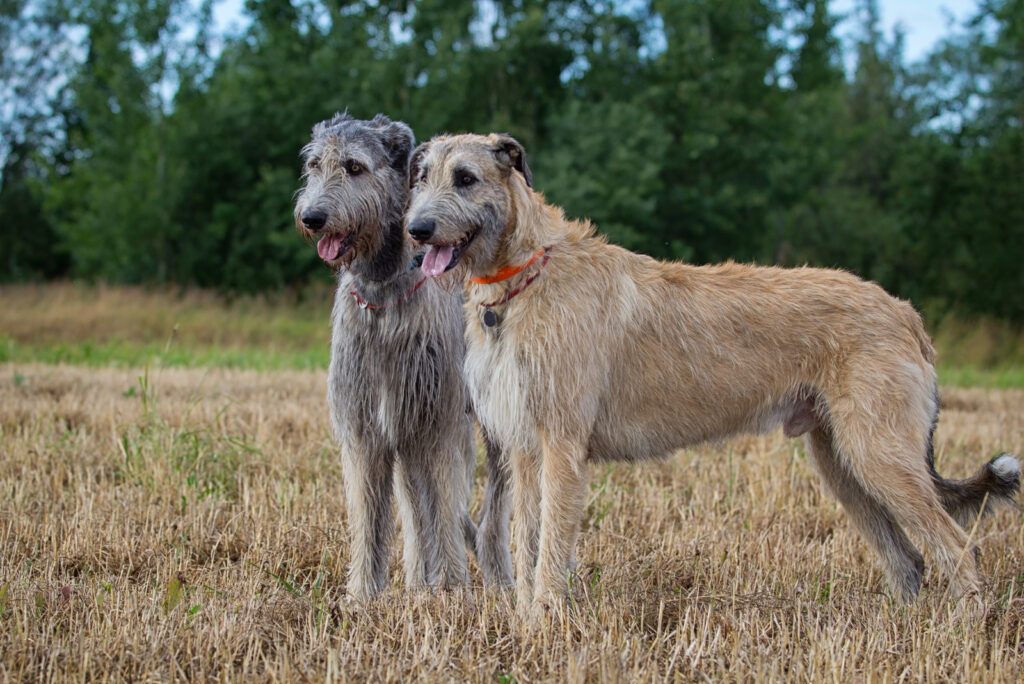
{"x": 998, "y": 481}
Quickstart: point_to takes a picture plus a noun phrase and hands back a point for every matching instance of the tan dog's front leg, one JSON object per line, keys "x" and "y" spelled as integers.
{"x": 563, "y": 487}
{"x": 525, "y": 523}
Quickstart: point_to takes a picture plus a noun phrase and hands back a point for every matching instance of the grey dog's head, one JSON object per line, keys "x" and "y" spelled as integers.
{"x": 465, "y": 193}
{"x": 356, "y": 186}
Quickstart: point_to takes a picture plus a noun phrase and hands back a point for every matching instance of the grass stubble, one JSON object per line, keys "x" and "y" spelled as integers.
{"x": 188, "y": 524}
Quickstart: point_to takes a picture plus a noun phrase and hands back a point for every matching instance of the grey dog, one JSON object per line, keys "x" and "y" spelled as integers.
{"x": 398, "y": 403}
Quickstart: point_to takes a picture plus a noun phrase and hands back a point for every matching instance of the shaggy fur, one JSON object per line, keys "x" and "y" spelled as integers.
{"x": 609, "y": 354}
{"x": 395, "y": 390}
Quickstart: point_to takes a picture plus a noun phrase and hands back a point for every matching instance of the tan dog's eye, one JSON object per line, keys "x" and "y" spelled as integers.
{"x": 354, "y": 168}
{"x": 466, "y": 180}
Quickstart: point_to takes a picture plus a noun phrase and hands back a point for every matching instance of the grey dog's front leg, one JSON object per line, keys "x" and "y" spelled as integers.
{"x": 419, "y": 555}
{"x": 368, "y": 501}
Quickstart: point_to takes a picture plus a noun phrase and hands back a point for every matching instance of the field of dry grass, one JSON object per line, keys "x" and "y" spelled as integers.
{"x": 62, "y": 312}
{"x": 187, "y": 524}
{"x": 134, "y": 326}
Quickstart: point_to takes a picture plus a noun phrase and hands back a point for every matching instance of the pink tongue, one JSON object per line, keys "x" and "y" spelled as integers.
{"x": 328, "y": 247}
{"x": 436, "y": 260}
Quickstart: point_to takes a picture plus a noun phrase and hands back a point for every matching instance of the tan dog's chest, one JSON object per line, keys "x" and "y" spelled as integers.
{"x": 500, "y": 389}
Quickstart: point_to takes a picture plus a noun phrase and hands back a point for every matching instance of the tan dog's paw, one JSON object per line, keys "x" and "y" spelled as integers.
{"x": 535, "y": 614}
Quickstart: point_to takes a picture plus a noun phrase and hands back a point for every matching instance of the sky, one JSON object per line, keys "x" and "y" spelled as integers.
{"x": 924, "y": 21}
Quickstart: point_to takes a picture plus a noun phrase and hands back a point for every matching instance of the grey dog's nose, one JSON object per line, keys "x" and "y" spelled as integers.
{"x": 422, "y": 229}
{"x": 313, "y": 219}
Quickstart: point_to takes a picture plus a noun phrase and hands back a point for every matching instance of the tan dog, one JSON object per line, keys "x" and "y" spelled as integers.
{"x": 592, "y": 352}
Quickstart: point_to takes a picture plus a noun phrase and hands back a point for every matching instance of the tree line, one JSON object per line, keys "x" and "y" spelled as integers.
{"x": 140, "y": 145}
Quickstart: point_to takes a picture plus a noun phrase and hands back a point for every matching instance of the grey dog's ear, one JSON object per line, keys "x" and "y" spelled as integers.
{"x": 415, "y": 161}
{"x": 398, "y": 141}
{"x": 510, "y": 153}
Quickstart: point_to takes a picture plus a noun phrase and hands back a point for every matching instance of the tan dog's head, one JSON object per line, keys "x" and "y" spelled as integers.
{"x": 462, "y": 203}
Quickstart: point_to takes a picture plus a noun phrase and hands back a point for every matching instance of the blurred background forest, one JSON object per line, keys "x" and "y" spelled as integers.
{"x": 139, "y": 144}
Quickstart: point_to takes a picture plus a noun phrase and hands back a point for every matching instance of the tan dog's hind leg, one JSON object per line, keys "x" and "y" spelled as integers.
{"x": 889, "y": 461}
{"x": 903, "y": 564}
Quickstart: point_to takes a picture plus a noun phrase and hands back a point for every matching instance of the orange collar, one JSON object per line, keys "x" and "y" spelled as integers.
{"x": 508, "y": 271}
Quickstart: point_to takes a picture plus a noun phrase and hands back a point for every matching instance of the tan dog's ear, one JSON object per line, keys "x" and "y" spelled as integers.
{"x": 510, "y": 153}
{"x": 415, "y": 161}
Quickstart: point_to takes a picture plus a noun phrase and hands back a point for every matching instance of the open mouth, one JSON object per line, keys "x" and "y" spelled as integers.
{"x": 441, "y": 258}
{"x": 333, "y": 246}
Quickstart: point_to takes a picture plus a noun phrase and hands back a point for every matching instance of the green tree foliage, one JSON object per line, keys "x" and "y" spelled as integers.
{"x": 715, "y": 88}
{"x": 805, "y": 180}
{"x": 31, "y": 248}
{"x": 33, "y": 53}
{"x": 139, "y": 145}
{"x": 959, "y": 188}
{"x": 836, "y": 173}
{"x": 114, "y": 204}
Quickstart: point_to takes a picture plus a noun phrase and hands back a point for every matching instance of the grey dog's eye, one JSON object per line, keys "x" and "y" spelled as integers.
{"x": 354, "y": 168}
{"x": 465, "y": 180}
{"x": 313, "y": 163}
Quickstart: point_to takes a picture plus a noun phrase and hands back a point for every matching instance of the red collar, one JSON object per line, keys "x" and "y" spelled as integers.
{"x": 363, "y": 304}
{"x": 510, "y": 271}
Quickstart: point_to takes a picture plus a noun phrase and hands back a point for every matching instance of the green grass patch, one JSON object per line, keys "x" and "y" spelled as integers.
{"x": 971, "y": 376}
{"x": 138, "y": 354}
{"x": 180, "y": 355}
